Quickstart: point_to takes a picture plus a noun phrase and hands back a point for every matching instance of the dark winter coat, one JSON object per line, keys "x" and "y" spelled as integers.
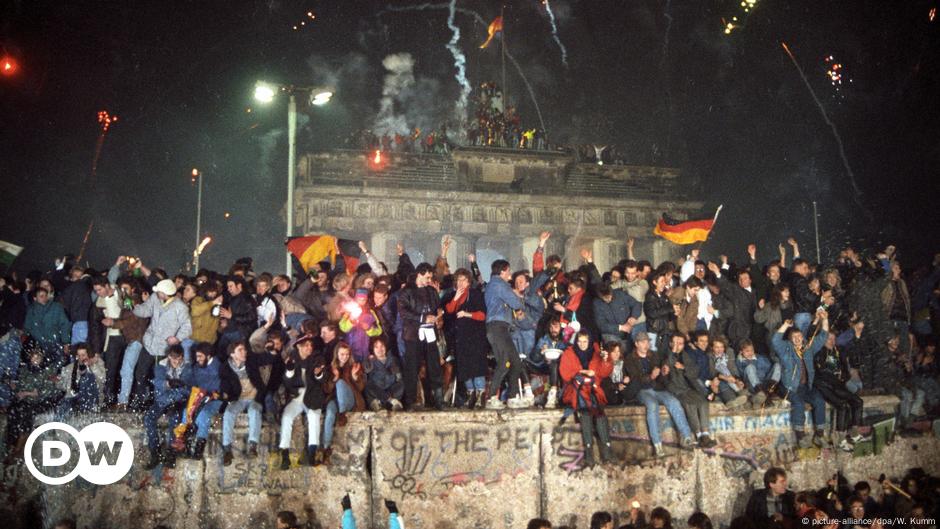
{"x": 659, "y": 312}
{"x": 466, "y": 337}
{"x": 413, "y": 305}
{"x": 743, "y": 306}
{"x": 76, "y": 299}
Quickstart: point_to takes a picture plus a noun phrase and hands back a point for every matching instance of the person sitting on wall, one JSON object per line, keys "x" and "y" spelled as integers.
{"x": 172, "y": 382}
{"x": 384, "y": 387}
{"x": 583, "y": 366}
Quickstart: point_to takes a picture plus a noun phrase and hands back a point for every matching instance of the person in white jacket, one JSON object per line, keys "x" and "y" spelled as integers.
{"x": 169, "y": 325}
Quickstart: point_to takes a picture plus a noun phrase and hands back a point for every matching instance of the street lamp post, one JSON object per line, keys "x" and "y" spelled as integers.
{"x": 264, "y": 93}
{"x": 197, "y": 176}
{"x": 291, "y": 145}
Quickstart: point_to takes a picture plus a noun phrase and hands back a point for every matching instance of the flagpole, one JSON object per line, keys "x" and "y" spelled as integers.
{"x": 714, "y": 220}
{"x": 816, "y": 225}
{"x": 502, "y": 52}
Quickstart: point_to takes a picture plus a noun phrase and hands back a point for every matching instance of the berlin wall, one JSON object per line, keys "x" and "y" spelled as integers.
{"x": 459, "y": 469}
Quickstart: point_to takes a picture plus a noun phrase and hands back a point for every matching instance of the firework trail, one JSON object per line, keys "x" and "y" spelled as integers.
{"x": 460, "y": 62}
{"x": 529, "y": 88}
{"x": 482, "y": 21}
{"x": 104, "y": 120}
{"x": 666, "y": 37}
{"x": 822, "y": 110}
{"x": 551, "y": 19}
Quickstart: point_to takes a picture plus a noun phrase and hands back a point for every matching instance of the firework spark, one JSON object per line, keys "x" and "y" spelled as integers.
{"x": 308, "y": 17}
{"x": 746, "y": 7}
{"x": 835, "y": 133}
{"x": 551, "y": 19}
{"x": 104, "y": 123}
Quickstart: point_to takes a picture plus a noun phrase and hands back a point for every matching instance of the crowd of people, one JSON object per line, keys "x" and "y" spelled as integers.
{"x": 493, "y": 125}
{"x": 681, "y": 334}
{"x": 416, "y": 141}
{"x": 835, "y": 504}
{"x": 908, "y": 502}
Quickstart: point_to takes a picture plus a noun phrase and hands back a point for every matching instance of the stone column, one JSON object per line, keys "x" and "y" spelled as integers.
{"x": 663, "y": 251}
{"x": 529, "y": 244}
{"x": 457, "y": 254}
{"x": 382, "y": 245}
{"x": 603, "y": 249}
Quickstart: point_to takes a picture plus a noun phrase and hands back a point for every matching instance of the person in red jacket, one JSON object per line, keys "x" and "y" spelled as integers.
{"x": 583, "y": 366}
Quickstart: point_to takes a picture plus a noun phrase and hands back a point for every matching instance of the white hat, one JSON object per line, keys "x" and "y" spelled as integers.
{"x": 166, "y": 286}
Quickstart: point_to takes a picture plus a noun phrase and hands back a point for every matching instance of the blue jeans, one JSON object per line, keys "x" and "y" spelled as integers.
{"x": 295, "y": 320}
{"x": 853, "y": 385}
{"x": 475, "y": 383}
{"x": 802, "y": 320}
{"x": 226, "y": 338}
{"x": 173, "y": 413}
{"x": 205, "y": 416}
{"x": 254, "y": 420}
{"x": 127, "y": 370}
{"x": 344, "y": 401}
{"x": 652, "y": 399}
{"x": 524, "y": 340}
{"x": 187, "y": 344}
{"x": 79, "y": 332}
{"x": 637, "y": 329}
{"x": 798, "y": 400}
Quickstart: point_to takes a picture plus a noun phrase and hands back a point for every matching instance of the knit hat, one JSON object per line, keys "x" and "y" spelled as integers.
{"x": 166, "y": 286}
{"x": 362, "y": 292}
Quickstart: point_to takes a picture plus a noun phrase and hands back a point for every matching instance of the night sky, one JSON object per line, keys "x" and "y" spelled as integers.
{"x": 658, "y": 79}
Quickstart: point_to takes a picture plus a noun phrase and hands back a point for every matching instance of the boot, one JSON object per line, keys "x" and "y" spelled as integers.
{"x": 285, "y": 459}
{"x": 154, "y": 459}
{"x": 603, "y": 433}
{"x": 325, "y": 455}
{"x": 252, "y": 449}
{"x": 306, "y": 457}
{"x": 472, "y": 399}
{"x": 587, "y": 435}
{"x": 802, "y": 440}
{"x": 438, "y": 399}
{"x": 199, "y": 449}
{"x": 227, "y": 456}
{"x": 169, "y": 458}
{"x": 819, "y": 439}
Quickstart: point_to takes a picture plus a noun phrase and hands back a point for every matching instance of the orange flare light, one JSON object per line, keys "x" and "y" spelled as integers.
{"x": 378, "y": 157}
{"x": 8, "y": 66}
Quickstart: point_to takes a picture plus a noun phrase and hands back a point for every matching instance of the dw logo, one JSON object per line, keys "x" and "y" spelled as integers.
{"x": 105, "y": 453}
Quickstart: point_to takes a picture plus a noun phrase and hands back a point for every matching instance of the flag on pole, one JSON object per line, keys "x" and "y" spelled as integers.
{"x": 685, "y": 232}
{"x": 309, "y": 251}
{"x": 496, "y": 26}
{"x": 8, "y": 253}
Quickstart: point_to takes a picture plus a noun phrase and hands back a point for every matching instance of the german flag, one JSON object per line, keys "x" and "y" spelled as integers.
{"x": 311, "y": 250}
{"x": 684, "y": 232}
{"x": 495, "y": 27}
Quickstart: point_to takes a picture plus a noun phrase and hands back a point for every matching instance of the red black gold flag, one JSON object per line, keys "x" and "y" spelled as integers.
{"x": 495, "y": 27}
{"x": 685, "y": 232}
{"x": 310, "y": 251}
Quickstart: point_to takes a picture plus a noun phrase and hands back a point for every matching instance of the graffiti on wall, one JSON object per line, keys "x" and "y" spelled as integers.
{"x": 746, "y": 443}
{"x": 431, "y": 462}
